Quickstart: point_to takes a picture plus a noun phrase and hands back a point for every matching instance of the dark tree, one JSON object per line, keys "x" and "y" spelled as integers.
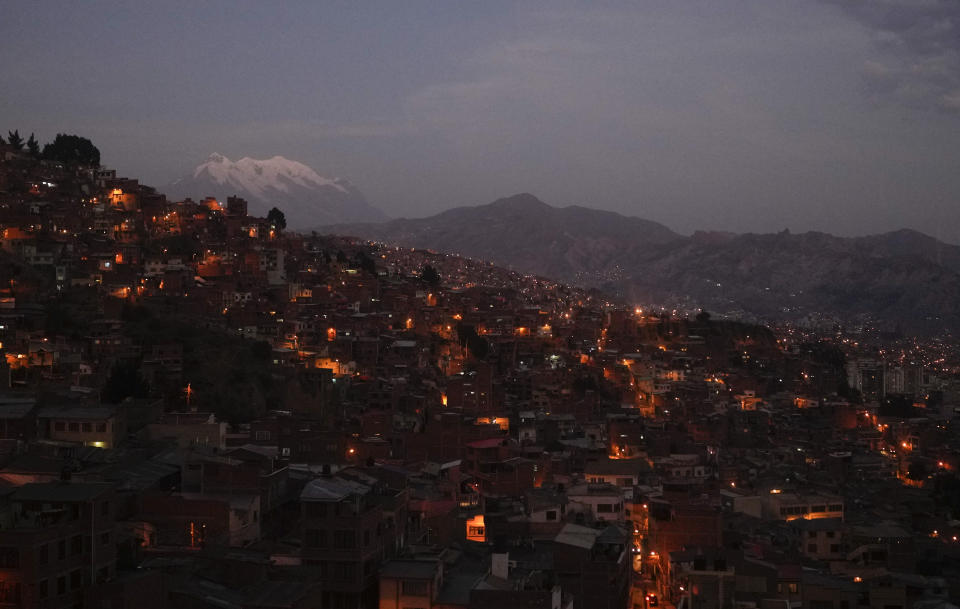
{"x": 366, "y": 263}
{"x": 125, "y": 381}
{"x": 703, "y": 317}
{"x": 33, "y": 147}
{"x": 72, "y": 149}
{"x": 917, "y": 470}
{"x": 276, "y": 219}
{"x": 476, "y": 344}
{"x": 430, "y": 276}
{"x": 341, "y": 257}
{"x": 261, "y": 350}
{"x": 14, "y": 139}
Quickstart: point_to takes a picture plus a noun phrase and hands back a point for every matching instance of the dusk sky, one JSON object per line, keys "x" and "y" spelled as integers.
{"x": 735, "y": 115}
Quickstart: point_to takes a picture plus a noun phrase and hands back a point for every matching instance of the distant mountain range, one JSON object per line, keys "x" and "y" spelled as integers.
{"x": 305, "y": 197}
{"x": 903, "y": 278}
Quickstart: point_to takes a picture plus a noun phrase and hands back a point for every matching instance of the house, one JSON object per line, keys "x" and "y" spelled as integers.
{"x": 100, "y": 426}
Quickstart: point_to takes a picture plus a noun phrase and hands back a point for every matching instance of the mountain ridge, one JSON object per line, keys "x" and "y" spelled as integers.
{"x": 765, "y": 276}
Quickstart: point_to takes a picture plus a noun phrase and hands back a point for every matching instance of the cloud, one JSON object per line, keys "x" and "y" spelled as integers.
{"x": 918, "y": 50}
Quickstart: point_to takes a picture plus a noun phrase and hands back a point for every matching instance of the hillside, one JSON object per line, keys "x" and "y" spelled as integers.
{"x": 900, "y": 278}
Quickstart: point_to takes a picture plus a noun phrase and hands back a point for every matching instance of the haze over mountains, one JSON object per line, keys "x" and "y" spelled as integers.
{"x": 305, "y": 197}
{"x": 903, "y": 278}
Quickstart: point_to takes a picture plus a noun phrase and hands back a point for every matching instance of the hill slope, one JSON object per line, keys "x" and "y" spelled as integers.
{"x": 903, "y": 277}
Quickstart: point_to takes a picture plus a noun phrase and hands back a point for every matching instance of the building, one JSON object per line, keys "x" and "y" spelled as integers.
{"x": 349, "y": 525}
{"x": 100, "y": 426}
{"x": 57, "y": 543}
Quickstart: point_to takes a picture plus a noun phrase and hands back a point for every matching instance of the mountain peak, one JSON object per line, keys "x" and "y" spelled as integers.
{"x": 523, "y": 200}
{"x": 306, "y": 197}
{"x": 216, "y": 157}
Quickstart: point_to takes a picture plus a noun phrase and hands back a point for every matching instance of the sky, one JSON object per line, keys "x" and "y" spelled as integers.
{"x": 736, "y": 115}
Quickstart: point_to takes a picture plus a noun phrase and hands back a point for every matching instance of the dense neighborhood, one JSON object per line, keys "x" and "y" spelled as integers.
{"x": 200, "y": 408}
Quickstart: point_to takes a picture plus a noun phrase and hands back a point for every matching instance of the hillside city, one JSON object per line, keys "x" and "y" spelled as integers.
{"x": 201, "y": 408}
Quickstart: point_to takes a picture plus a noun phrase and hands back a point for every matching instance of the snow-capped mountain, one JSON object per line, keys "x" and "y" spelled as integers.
{"x": 306, "y": 198}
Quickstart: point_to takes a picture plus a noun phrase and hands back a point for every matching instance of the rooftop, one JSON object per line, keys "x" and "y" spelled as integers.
{"x": 332, "y": 489}
{"x": 68, "y": 492}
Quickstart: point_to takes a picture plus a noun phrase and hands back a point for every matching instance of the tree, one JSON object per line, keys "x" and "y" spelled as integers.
{"x": 917, "y": 470}
{"x": 72, "y": 149}
{"x": 14, "y": 139}
{"x": 366, "y": 263}
{"x": 430, "y": 276}
{"x": 33, "y": 147}
{"x": 276, "y": 219}
{"x": 125, "y": 381}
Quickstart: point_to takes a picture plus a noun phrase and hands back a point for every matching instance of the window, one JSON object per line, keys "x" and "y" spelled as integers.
{"x": 104, "y": 538}
{"x": 812, "y": 548}
{"x": 73, "y": 426}
{"x": 344, "y": 539}
{"x": 793, "y": 587}
{"x": 62, "y": 549}
{"x": 44, "y": 554}
{"x": 818, "y": 508}
{"x": 101, "y": 427}
{"x": 413, "y": 588}
{"x": 831, "y": 534}
{"x": 85, "y": 427}
{"x": 10, "y": 558}
{"x": 475, "y": 531}
{"x": 61, "y": 585}
{"x": 316, "y": 538}
{"x": 551, "y": 515}
{"x": 604, "y": 508}
{"x": 835, "y": 548}
{"x": 76, "y": 579}
{"x": 76, "y": 545}
{"x": 366, "y": 538}
{"x": 261, "y": 435}
{"x": 43, "y": 588}
{"x": 105, "y": 508}
{"x": 811, "y": 534}
{"x": 59, "y": 426}
{"x": 837, "y": 507}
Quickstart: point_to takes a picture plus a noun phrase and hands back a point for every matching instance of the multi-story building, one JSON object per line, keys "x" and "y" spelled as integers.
{"x": 57, "y": 541}
{"x": 349, "y": 526}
